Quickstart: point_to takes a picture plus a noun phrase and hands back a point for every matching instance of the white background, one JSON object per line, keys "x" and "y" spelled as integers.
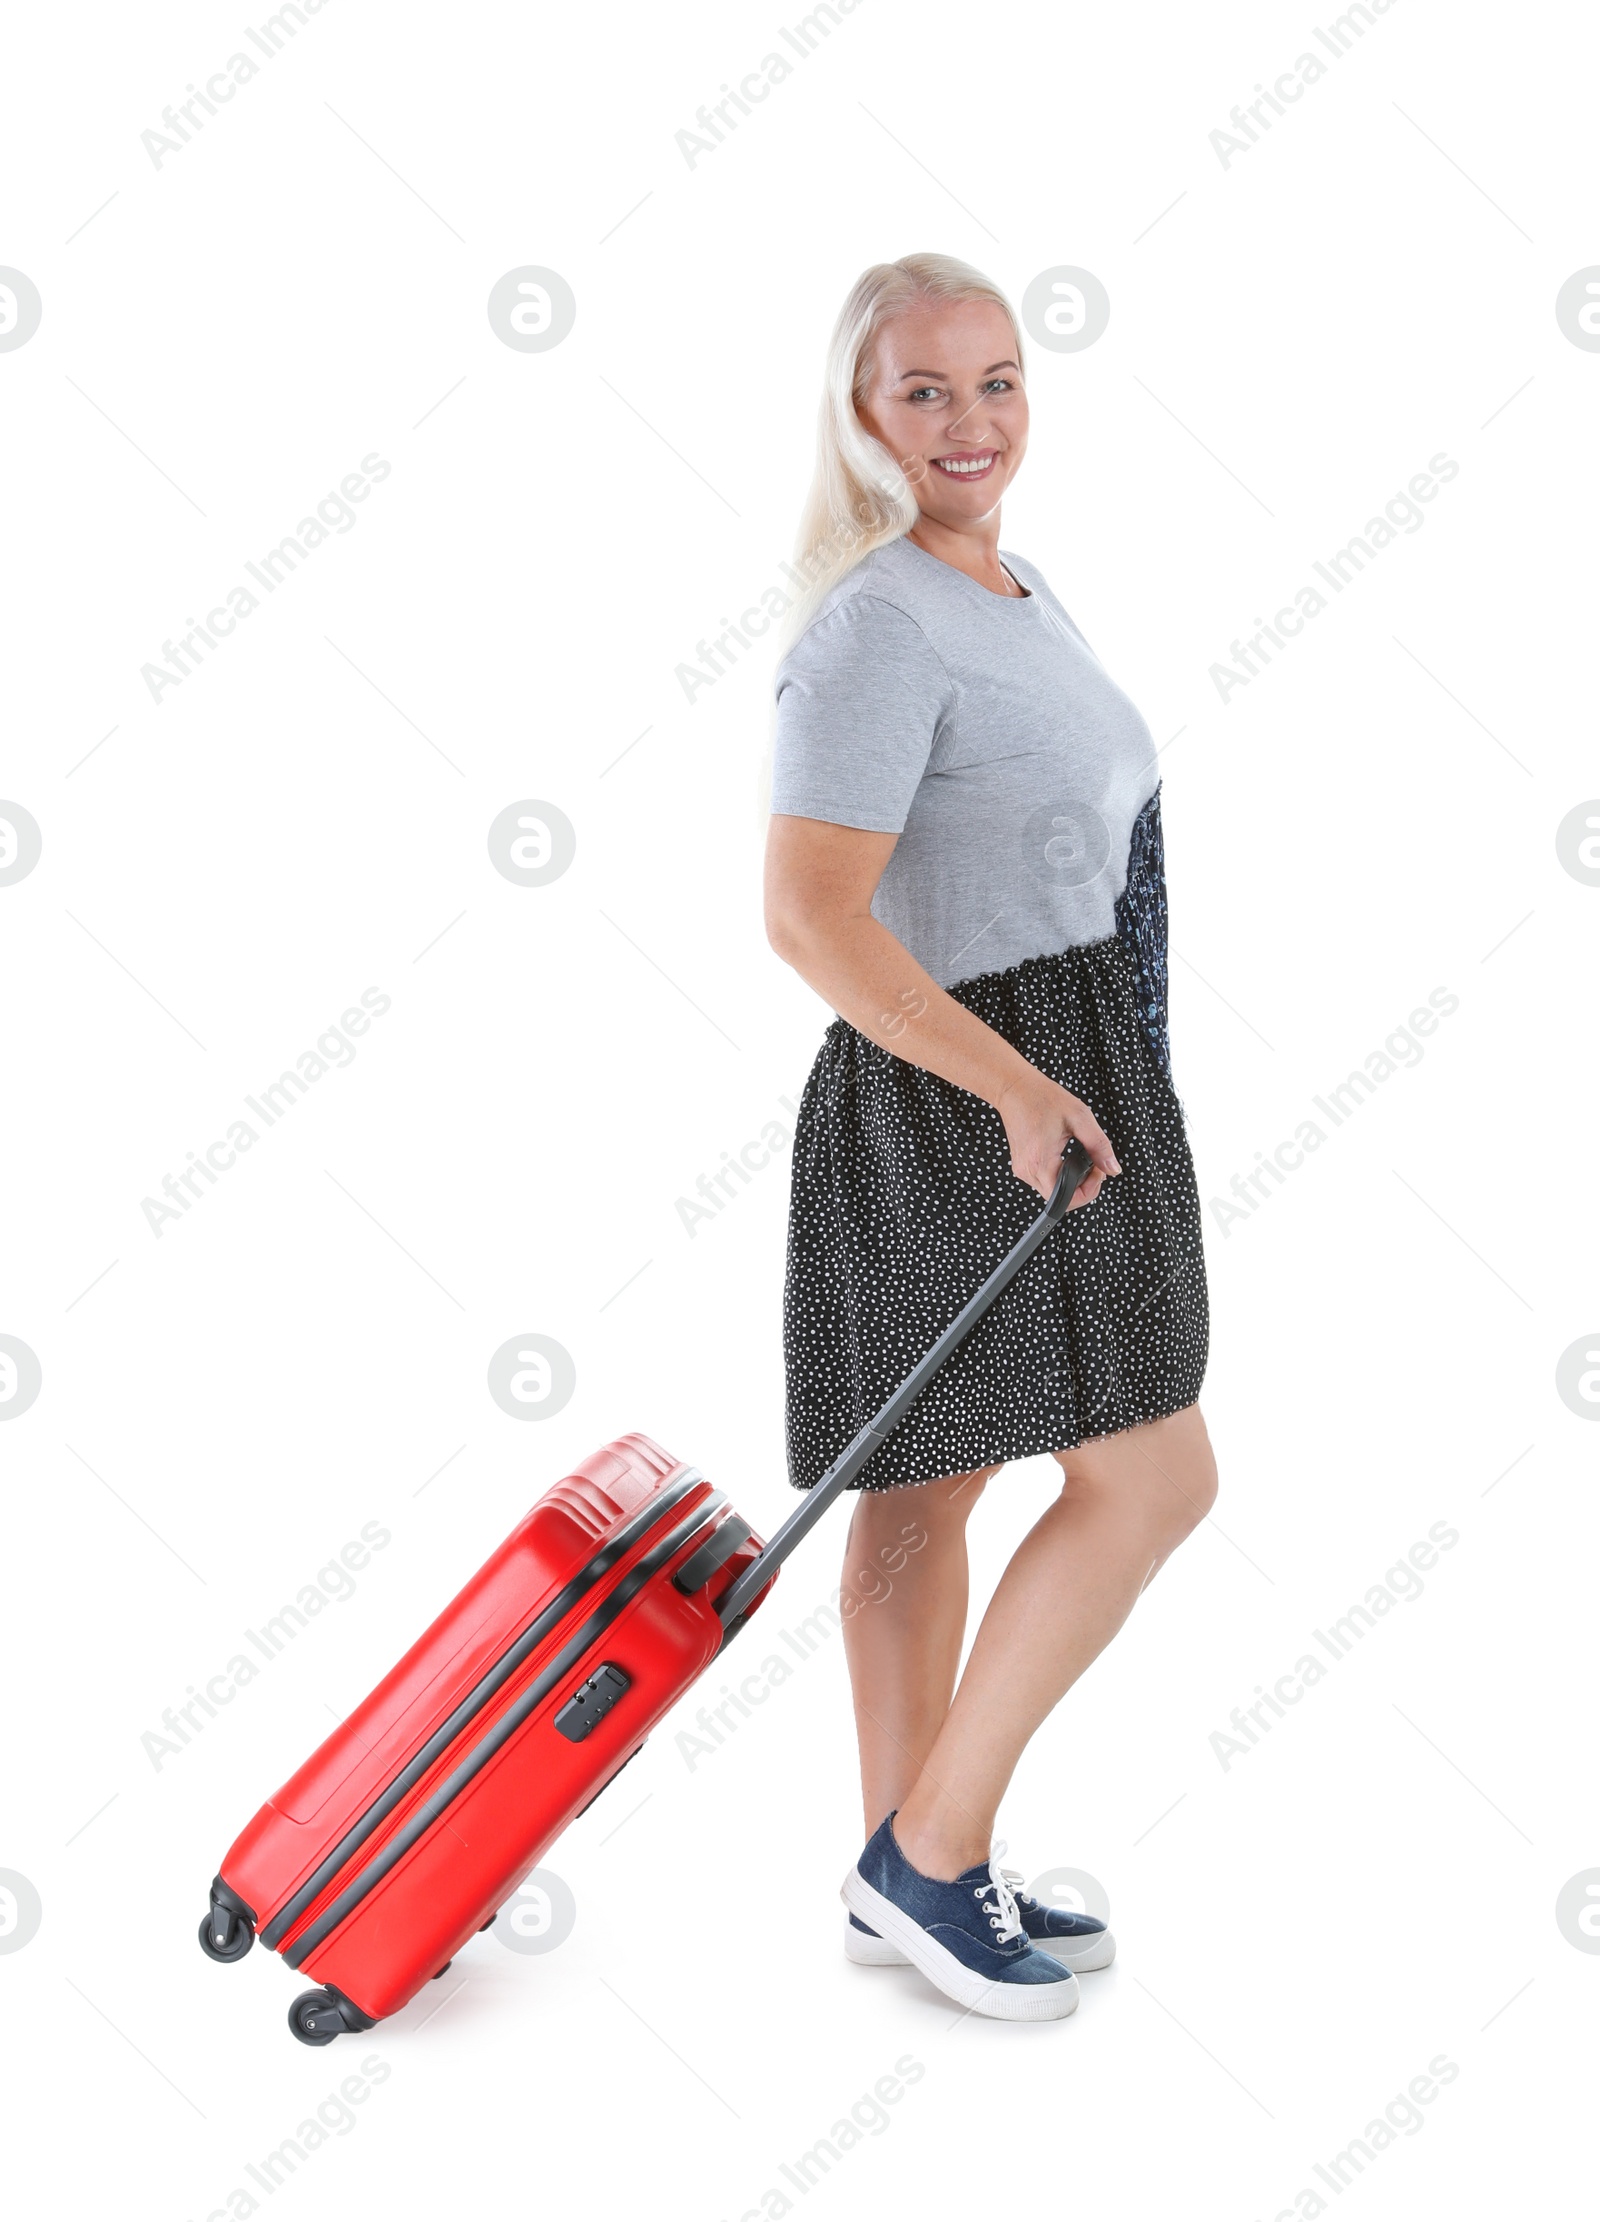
{"x": 1292, "y": 337}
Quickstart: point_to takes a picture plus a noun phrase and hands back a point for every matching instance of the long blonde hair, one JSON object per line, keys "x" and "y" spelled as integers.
{"x": 859, "y": 498}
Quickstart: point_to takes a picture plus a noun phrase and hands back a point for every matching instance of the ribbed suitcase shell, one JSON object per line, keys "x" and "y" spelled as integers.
{"x": 347, "y": 1876}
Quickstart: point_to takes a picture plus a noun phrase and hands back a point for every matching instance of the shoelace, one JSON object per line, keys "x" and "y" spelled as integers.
{"x": 1003, "y": 1914}
{"x": 1014, "y": 1876}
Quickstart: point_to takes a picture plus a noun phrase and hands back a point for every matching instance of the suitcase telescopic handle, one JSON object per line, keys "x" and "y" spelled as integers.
{"x": 1076, "y": 1165}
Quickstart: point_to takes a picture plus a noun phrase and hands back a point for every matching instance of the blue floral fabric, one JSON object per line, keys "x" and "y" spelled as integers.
{"x": 1141, "y": 920}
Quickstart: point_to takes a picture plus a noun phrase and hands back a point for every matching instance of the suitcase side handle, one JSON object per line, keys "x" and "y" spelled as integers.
{"x": 1076, "y": 1165}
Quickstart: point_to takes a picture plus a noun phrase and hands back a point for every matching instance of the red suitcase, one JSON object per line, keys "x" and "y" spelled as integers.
{"x": 408, "y": 1829}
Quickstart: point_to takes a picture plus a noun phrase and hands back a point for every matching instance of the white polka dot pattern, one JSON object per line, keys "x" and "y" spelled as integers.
{"x": 903, "y": 1200}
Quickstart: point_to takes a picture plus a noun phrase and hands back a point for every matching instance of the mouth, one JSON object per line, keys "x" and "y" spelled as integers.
{"x": 980, "y": 465}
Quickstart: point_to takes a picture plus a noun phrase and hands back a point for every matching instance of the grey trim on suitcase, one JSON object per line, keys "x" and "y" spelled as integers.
{"x": 1076, "y": 1166}
{"x": 477, "y": 1697}
{"x": 501, "y": 1733}
{"x": 697, "y": 1570}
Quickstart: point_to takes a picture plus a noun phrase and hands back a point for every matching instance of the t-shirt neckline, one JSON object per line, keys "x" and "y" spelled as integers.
{"x": 1022, "y": 601}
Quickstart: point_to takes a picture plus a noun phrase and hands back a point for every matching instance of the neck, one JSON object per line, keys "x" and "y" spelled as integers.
{"x": 975, "y": 549}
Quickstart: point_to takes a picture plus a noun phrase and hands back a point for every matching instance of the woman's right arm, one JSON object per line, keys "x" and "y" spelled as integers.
{"x": 820, "y": 881}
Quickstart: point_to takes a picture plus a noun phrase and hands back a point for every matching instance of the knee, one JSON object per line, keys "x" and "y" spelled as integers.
{"x": 1164, "y": 1475}
{"x": 1201, "y": 1488}
{"x": 909, "y": 1519}
{"x": 1193, "y": 1486}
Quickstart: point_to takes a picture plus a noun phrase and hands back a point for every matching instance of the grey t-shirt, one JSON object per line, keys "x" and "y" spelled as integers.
{"x": 984, "y": 731}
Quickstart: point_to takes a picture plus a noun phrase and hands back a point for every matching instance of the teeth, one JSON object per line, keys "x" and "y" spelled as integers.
{"x": 963, "y": 469}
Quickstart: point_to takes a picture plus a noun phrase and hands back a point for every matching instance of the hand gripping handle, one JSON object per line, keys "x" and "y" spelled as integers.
{"x": 1076, "y": 1165}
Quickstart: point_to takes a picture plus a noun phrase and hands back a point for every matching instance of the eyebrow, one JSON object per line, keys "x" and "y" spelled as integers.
{"x": 1008, "y": 364}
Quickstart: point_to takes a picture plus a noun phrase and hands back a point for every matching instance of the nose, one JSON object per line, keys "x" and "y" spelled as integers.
{"x": 971, "y": 428}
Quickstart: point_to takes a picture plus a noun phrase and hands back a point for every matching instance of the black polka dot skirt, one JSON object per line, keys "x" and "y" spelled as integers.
{"x": 903, "y": 1201}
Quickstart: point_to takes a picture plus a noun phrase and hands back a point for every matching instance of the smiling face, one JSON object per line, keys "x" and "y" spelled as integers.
{"x": 947, "y": 401}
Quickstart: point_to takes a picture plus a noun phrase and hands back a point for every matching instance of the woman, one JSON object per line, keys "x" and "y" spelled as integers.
{"x": 964, "y": 860}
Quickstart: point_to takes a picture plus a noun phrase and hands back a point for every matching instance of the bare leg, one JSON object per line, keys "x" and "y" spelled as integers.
{"x": 905, "y": 1576}
{"x": 1127, "y": 1500}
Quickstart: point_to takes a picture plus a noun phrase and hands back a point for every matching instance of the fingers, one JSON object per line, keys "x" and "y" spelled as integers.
{"x": 1092, "y": 1185}
{"x": 1039, "y": 1132}
{"x": 1044, "y": 1181}
{"x": 1090, "y": 1133}
{"x": 1103, "y": 1158}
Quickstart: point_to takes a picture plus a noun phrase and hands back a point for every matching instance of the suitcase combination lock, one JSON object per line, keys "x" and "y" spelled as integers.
{"x": 591, "y": 1701}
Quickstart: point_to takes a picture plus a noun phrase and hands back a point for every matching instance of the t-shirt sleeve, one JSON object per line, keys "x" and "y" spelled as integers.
{"x": 860, "y": 698}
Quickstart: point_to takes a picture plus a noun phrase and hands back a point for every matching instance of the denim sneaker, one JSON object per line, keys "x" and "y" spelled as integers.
{"x": 965, "y": 1936}
{"x": 1077, "y": 1939}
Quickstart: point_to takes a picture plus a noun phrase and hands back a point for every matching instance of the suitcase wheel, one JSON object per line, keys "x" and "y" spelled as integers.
{"x": 224, "y": 1935}
{"x": 316, "y": 2019}
{"x": 229, "y": 1928}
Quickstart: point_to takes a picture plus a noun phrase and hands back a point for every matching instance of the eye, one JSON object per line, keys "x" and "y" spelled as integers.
{"x": 918, "y": 392}
{"x": 1001, "y": 385}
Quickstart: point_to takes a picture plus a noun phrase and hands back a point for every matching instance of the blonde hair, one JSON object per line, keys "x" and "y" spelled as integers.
{"x": 859, "y": 498}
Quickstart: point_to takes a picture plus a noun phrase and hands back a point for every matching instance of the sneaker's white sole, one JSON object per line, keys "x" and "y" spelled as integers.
{"x": 1001, "y": 2001}
{"x": 871, "y": 1951}
{"x": 1081, "y": 1954}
